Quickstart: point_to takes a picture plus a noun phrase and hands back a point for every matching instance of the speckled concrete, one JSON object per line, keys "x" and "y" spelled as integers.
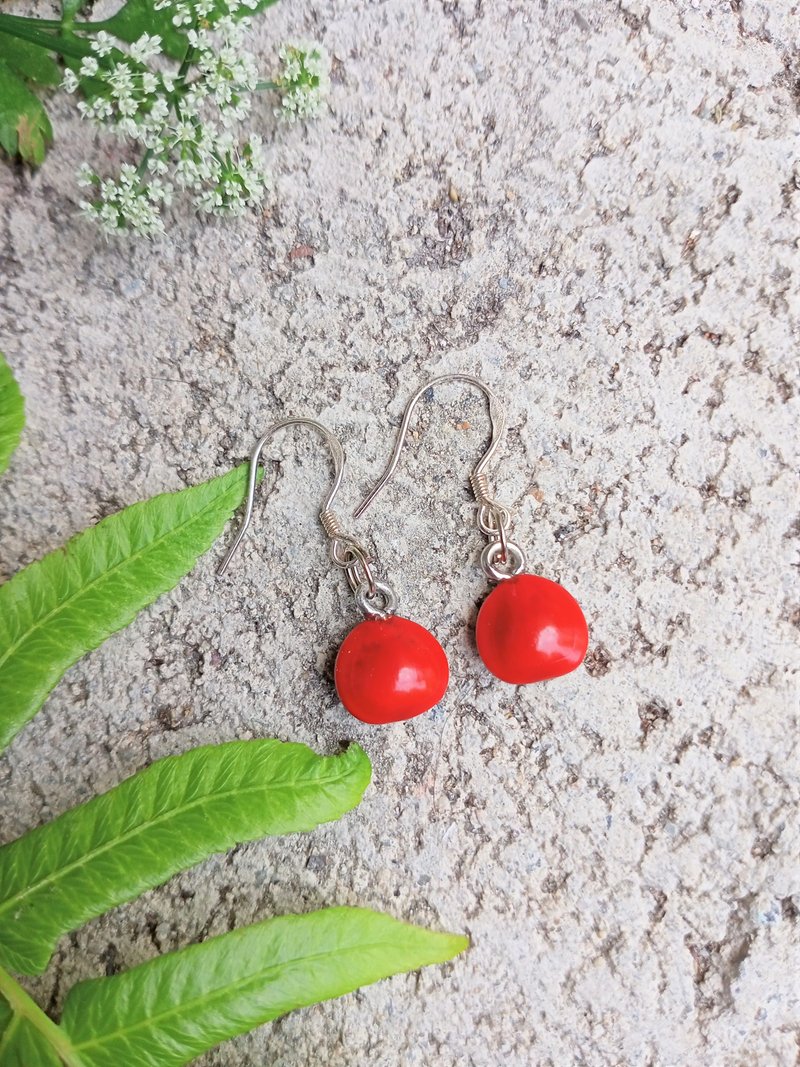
{"x": 619, "y": 259}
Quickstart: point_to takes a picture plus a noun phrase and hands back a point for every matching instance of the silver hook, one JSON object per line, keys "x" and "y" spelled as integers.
{"x": 478, "y": 476}
{"x": 493, "y": 518}
{"x": 337, "y": 452}
{"x": 376, "y": 599}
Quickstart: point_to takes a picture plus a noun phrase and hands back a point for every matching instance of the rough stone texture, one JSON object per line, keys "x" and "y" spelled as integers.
{"x": 619, "y": 259}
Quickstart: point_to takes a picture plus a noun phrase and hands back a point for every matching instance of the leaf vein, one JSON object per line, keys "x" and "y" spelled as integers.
{"x": 105, "y": 574}
{"x": 145, "y": 827}
{"x": 208, "y": 999}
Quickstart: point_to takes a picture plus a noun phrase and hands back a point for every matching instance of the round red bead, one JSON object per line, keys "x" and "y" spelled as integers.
{"x": 530, "y": 629}
{"x": 390, "y": 669}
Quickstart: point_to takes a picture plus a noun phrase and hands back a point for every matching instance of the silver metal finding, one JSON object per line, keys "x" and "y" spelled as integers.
{"x": 345, "y": 551}
{"x": 493, "y": 518}
{"x": 478, "y": 477}
{"x": 379, "y": 604}
{"x": 513, "y": 564}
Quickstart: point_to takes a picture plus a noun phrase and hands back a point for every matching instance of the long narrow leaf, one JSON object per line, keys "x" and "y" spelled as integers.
{"x": 57, "y": 609}
{"x": 12, "y": 413}
{"x": 166, "y": 1012}
{"x": 166, "y": 818}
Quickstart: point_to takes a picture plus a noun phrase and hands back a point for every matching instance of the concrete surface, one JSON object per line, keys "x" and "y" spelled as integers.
{"x": 621, "y": 264}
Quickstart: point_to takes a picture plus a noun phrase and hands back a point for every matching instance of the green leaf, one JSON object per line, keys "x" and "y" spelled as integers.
{"x": 166, "y": 1012}
{"x": 25, "y": 129}
{"x": 12, "y": 413}
{"x": 140, "y": 16}
{"x": 164, "y": 819}
{"x": 29, "y": 60}
{"x": 28, "y": 1037}
{"x": 22, "y": 1045}
{"x": 59, "y": 608}
{"x": 5, "y": 1015}
{"x": 136, "y": 17}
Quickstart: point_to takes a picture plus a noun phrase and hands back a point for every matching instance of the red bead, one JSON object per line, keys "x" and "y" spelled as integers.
{"x": 390, "y": 669}
{"x": 530, "y": 629}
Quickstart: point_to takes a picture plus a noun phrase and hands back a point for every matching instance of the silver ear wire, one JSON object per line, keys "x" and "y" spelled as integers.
{"x": 493, "y": 517}
{"x": 373, "y": 597}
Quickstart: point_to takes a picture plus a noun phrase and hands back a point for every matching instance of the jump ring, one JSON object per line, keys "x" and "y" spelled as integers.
{"x": 498, "y": 513}
{"x": 515, "y": 561}
{"x": 367, "y": 605}
{"x": 352, "y": 557}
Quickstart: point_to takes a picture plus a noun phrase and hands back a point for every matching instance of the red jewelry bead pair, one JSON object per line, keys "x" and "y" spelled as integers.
{"x": 390, "y": 668}
{"x": 529, "y": 629}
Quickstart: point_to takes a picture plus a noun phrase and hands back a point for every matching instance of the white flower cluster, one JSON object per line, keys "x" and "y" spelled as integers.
{"x": 183, "y": 121}
{"x": 304, "y": 81}
{"x": 128, "y": 203}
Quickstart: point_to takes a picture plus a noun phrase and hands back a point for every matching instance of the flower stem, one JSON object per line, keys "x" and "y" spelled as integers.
{"x": 65, "y": 46}
{"x": 54, "y": 24}
{"x": 23, "y": 1007}
{"x": 141, "y": 169}
{"x": 262, "y": 87}
{"x": 24, "y": 20}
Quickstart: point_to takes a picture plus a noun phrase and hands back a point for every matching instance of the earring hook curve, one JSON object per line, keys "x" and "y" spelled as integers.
{"x": 478, "y": 475}
{"x": 337, "y": 452}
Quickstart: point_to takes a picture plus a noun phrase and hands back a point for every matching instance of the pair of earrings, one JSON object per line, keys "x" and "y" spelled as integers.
{"x": 390, "y": 668}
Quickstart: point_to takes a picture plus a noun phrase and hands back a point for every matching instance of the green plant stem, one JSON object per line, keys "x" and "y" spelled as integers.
{"x": 54, "y": 24}
{"x": 262, "y": 87}
{"x": 64, "y": 46}
{"x": 25, "y": 1008}
{"x": 141, "y": 169}
{"x": 180, "y": 77}
{"x": 187, "y": 61}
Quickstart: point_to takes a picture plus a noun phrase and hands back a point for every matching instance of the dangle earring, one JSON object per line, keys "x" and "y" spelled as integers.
{"x": 388, "y": 668}
{"x": 529, "y": 628}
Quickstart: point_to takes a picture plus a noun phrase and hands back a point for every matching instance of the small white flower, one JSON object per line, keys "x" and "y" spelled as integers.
{"x": 128, "y": 127}
{"x": 159, "y": 111}
{"x": 98, "y": 110}
{"x": 146, "y": 48}
{"x": 70, "y": 82}
{"x": 183, "y": 132}
{"x": 191, "y": 103}
{"x": 237, "y": 112}
{"x": 86, "y": 176}
{"x": 183, "y": 16}
{"x": 127, "y": 106}
{"x": 103, "y": 43}
{"x": 89, "y": 67}
{"x": 303, "y": 81}
{"x": 120, "y": 78}
{"x": 187, "y": 174}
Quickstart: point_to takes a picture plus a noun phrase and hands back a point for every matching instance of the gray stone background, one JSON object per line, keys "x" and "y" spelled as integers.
{"x": 618, "y": 258}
